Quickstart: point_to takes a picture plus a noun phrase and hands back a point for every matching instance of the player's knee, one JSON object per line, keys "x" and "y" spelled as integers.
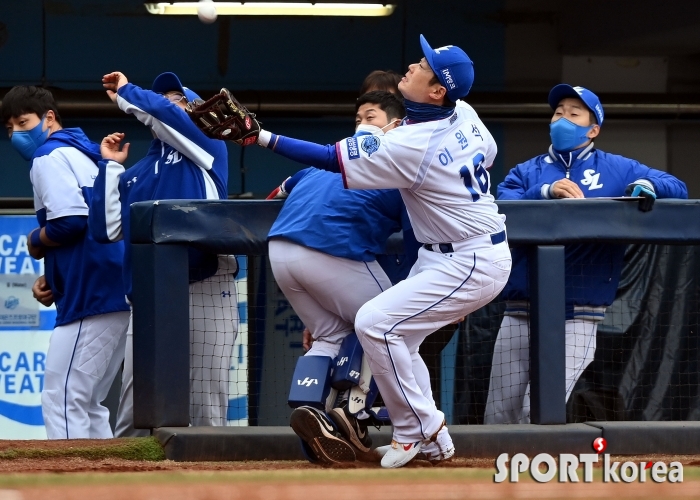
{"x": 366, "y": 321}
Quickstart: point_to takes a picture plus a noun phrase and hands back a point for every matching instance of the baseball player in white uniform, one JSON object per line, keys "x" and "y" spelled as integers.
{"x": 439, "y": 160}
{"x": 83, "y": 277}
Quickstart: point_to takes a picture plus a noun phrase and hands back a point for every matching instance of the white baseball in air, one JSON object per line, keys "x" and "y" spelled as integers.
{"x": 206, "y": 11}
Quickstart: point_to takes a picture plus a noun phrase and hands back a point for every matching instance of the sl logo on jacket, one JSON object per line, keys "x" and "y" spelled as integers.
{"x": 590, "y": 179}
{"x": 173, "y": 157}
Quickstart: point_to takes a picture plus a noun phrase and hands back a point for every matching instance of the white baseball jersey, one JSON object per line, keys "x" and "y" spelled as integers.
{"x": 437, "y": 166}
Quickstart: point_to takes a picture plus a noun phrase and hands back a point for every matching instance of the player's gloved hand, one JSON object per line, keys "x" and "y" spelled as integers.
{"x": 223, "y": 117}
{"x": 646, "y": 191}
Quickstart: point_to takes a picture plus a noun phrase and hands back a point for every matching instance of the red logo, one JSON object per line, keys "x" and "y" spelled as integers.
{"x": 648, "y": 465}
{"x": 407, "y": 447}
{"x": 247, "y": 122}
{"x": 250, "y": 140}
{"x": 599, "y": 445}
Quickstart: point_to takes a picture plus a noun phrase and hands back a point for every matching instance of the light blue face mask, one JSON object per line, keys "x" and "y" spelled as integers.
{"x": 26, "y": 142}
{"x": 566, "y": 135}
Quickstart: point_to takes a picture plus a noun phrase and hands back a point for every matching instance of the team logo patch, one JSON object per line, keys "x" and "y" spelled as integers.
{"x": 353, "y": 151}
{"x": 370, "y": 144}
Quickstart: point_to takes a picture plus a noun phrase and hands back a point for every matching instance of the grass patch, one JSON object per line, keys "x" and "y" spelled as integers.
{"x": 147, "y": 448}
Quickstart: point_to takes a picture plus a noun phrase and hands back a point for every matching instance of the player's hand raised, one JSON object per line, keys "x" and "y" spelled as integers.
{"x": 113, "y": 82}
{"x": 42, "y": 292}
{"x": 564, "y": 188}
{"x": 111, "y": 148}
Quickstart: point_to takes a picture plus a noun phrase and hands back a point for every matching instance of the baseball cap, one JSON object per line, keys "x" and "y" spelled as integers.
{"x": 452, "y": 66}
{"x": 591, "y": 100}
{"x": 166, "y": 82}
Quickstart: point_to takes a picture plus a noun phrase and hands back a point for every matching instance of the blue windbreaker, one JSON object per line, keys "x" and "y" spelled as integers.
{"x": 321, "y": 214}
{"x": 181, "y": 163}
{"x": 592, "y": 270}
{"x": 84, "y": 276}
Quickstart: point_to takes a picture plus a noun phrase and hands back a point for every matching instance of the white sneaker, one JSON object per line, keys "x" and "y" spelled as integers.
{"x": 382, "y": 450}
{"x": 400, "y": 454}
{"x": 441, "y": 449}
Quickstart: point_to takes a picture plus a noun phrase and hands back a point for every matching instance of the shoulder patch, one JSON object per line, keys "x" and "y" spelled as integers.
{"x": 370, "y": 144}
{"x": 353, "y": 151}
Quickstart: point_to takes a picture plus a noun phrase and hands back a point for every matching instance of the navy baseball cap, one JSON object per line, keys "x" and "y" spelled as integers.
{"x": 452, "y": 66}
{"x": 591, "y": 100}
{"x": 167, "y": 82}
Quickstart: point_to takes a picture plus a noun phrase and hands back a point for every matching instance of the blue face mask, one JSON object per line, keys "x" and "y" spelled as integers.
{"x": 26, "y": 142}
{"x": 566, "y": 135}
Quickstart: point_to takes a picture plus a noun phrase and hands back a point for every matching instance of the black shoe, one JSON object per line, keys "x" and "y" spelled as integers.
{"x": 317, "y": 431}
{"x": 352, "y": 429}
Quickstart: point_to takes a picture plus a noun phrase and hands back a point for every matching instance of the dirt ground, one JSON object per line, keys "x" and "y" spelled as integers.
{"x": 63, "y": 478}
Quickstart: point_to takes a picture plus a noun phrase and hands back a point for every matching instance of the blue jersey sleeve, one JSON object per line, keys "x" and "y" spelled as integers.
{"x": 309, "y": 153}
{"x": 66, "y": 230}
{"x": 105, "y": 216}
{"x": 514, "y": 186}
{"x": 171, "y": 124}
{"x": 665, "y": 185}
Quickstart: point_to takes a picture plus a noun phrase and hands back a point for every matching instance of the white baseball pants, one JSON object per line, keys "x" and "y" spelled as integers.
{"x": 440, "y": 289}
{"x": 83, "y": 358}
{"x": 325, "y": 291}
{"x": 213, "y": 330}
{"x": 509, "y": 387}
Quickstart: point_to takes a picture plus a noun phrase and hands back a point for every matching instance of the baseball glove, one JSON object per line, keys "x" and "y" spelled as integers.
{"x": 223, "y": 117}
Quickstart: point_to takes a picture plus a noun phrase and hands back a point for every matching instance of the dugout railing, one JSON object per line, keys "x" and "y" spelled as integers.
{"x": 163, "y": 230}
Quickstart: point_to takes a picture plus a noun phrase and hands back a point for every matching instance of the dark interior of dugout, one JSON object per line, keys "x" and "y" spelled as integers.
{"x": 162, "y": 231}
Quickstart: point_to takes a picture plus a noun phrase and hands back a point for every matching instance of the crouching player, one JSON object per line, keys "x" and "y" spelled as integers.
{"x": 322, "y": 250}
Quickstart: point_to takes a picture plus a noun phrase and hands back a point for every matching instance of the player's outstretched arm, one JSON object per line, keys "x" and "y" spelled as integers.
{"x": 170, "y": 123}
{"x": 308, "y": 153}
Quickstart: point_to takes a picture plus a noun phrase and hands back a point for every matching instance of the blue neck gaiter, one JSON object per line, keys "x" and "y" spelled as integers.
{"x": 566, "y": 135}
{"x": 421, "y": 112}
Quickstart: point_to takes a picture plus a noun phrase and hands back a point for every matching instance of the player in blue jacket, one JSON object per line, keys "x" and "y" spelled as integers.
{"x": 323, "y": 248}
{"x": 572, "y": 168}
{"x": 181, "y": 163}
{"x": 83, "y": 277}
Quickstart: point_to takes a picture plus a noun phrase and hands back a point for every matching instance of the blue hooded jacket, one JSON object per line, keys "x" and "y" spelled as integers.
{"x": 592, "y": 270}
{"x": 84, "y": 275}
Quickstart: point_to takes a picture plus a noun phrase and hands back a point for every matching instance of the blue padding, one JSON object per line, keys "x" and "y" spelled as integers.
{"x": 311, "y": 382}
{"x": 348, "y": 364}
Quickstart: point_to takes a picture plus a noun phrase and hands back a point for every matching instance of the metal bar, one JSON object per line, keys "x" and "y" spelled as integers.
{"x": 547, "y": 335}
{"x": 161, "y": 336}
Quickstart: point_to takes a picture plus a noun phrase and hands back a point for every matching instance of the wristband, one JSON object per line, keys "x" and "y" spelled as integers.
{"x": 35, "y": 239}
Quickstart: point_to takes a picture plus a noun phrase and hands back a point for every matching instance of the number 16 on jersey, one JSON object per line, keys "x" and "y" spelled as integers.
{"x": 478, "y": 182}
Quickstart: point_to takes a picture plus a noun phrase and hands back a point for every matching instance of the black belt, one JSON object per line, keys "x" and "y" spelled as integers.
{"x": 447, "y": 247}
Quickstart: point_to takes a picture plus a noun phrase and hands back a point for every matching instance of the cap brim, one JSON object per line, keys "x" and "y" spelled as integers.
{"x": 428, "y": 52}
{"x": 560, "y": 92}
{"x": 167, "y": 82}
